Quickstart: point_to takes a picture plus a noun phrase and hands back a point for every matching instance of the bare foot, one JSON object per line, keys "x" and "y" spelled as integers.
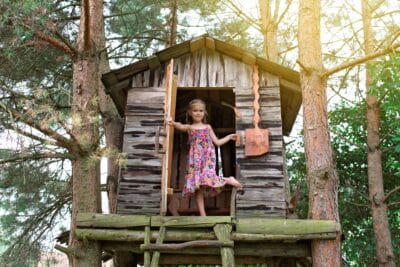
{"x": 233, "y": 182}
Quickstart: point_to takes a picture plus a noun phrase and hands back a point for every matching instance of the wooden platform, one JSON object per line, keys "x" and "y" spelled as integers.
{"x": 193, "y": 239}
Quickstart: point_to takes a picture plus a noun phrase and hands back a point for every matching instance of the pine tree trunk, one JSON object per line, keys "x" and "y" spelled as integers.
{"x": 383, "y": 245}
{"x": 322, "y": 176}
{"x": 85, "y": 118}
{"x": 269, "y": 31}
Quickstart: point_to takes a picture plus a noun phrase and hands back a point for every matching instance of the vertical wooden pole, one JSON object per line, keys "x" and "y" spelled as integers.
{"x": 156, "y": 255}
{"x": 147, "y": 259}
{"x": 223, "y": 233}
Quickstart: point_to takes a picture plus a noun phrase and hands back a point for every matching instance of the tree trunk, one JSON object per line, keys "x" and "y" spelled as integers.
{"x": 173, "y": 23}
{"x": 322, "y": 176}
{"x": 383, "y": 245}
{"x": 269, "y": 30}
{"x": 85, "y": 117}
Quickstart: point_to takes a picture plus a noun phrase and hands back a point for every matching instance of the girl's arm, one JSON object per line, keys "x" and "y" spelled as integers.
{"x": 223, "y": 140}
{"x": 180, "y": 126}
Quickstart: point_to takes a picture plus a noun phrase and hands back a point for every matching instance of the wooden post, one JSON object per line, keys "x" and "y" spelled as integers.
{"x": 147, "y": 259}
{"x": 223, "y": 232}
{"x": 156, "y": 254}
{"x": 169, "y": 111}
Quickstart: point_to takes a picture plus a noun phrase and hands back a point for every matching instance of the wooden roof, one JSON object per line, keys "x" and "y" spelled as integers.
{"x": 118, "y": 81}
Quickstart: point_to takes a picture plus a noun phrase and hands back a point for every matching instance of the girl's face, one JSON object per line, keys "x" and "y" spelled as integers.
{"x": 197, "y": 112}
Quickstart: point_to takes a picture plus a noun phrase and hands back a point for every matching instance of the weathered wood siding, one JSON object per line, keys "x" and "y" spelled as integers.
{"x": 262, "y": 176}
{"x": 140, "y": 179}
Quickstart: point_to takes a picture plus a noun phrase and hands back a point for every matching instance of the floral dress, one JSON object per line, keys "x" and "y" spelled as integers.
{"x": 201, "y": 164}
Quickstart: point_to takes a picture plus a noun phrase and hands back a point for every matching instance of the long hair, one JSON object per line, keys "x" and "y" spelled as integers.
{"x": 193, "y": 102}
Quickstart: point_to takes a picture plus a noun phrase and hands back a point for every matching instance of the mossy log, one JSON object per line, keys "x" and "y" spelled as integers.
{"x": 137, "y": 235}
{"x": 259, "y": 249}
{"x": 185, "y": 235}
{"x": 188, "y": 244}
{"x": 98, "y": 220}
{"x": 285, "y": 227}
{"x": 189, "y": 221}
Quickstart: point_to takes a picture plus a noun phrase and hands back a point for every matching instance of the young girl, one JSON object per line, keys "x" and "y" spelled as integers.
{"x": 201, "y": 174}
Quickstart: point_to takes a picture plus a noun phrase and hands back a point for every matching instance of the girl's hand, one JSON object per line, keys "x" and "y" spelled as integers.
{"x": 170, "y": 121}
{"x": 232, "y": 137}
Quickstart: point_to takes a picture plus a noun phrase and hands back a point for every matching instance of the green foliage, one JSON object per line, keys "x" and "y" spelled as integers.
{"x": 33, "y": 200}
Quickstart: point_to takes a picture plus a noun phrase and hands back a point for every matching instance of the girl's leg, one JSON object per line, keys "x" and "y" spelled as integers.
{"x": 200, "y": 201}
{"x": 233, "y": 182}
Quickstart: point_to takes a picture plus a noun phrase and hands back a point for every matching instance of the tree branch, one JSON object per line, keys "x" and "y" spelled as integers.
{"x": 36, "y": 156}
{"x": 86, "y": 30}
{"x": 388, "y": 195}
{"x": 61, "y": 140}
{"x": 358, "y": 205}
{"x": 71, "y": 51}
{"x": 360, "y": 60}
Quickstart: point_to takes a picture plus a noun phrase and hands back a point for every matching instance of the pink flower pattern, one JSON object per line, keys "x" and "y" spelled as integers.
{"x": 201, "y": 171}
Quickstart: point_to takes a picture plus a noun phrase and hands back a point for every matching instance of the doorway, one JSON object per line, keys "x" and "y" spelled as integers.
{"x": 221, "y": 116}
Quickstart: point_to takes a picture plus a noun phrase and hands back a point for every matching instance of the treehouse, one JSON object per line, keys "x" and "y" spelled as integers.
{"x": 245, "y": 94}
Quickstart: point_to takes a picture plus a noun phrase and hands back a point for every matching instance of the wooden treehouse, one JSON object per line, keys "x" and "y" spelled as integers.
{"x": 153, "y": 221}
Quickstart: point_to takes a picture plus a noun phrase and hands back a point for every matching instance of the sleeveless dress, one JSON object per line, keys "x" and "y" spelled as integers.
{"x": 201, "y": 164}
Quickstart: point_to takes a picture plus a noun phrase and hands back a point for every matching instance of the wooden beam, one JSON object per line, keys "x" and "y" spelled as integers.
{"x": 257, "y": 249}
{"x": 189, "y": 221}
{"x": 98, "y": 220}
{"x": 210, "y": 44}
{"x": 197, "y": 44}
{"x": 290, "y": 86}
{"x": 184, "y": 245}
{"x": 282, "y": 237}
{"x": 285, "y": 227}
{"x": 139, "y": 235}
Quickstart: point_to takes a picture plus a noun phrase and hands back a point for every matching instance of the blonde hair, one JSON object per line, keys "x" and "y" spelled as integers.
{"x": 190, "y": 107}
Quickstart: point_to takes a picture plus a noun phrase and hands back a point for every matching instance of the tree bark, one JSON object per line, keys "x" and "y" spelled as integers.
{"x": 85, "y": 113}
{"x": 383, "y": 245}
{"x": 322, "y": 176}
{"x": 173, "y": 23}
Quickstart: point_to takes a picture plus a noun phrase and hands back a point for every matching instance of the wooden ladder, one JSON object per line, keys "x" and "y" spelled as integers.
{"x": 224, "y": 242}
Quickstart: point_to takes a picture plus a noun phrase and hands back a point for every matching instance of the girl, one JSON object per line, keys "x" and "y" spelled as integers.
{"x": 201, "y": 173}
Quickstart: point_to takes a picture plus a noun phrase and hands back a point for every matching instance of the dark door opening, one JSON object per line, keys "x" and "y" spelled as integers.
{"x": 221, "y": 116}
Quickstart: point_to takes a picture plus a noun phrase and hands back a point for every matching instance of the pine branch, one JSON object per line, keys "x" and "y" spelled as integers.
{"x": 29, "y": 135}
{"x": 57, "y": 44}
{"x": 362, "y": 60}
{"x": 86, "y": 30}
{"x": 61, "y": 140}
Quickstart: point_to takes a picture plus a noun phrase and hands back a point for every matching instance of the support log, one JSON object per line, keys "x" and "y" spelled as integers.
{"x": 98, "y": 220}
{"x": 256, "y": 249}
{"x": 223, "y": 233}
{"x": 146, "y": 241}
{"x": 184, "y": 245}
{"x": 285, "y": 227}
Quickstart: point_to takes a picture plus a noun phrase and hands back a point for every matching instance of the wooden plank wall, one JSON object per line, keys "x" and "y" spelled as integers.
{"x": 262, "y": 176}
{"x": 140, "y": 179}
